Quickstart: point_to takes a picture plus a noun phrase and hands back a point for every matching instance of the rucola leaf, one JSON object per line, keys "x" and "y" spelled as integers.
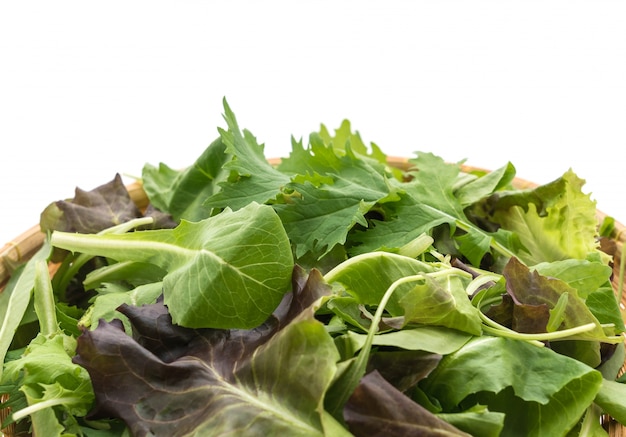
{"x": 230, "y": 270}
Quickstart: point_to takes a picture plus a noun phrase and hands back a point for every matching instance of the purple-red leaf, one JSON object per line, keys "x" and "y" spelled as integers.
{"x": 378, "y": 409}
{"x": 170, "y": 380}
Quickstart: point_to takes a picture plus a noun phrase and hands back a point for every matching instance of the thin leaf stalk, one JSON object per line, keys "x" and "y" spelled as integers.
{"x": 44, "y": 299}
{"x": 358, "y": 369}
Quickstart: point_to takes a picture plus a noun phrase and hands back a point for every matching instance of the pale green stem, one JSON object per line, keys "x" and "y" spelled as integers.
{"x": 44, "y": 299}
{"x": 502, "y": 331}
{"x": 545, "y": 336}
{"x": 81, "y": 259}
{"x": 40, "y": 406}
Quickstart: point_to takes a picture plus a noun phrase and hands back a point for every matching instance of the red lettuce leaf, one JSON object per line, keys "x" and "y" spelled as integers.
{"x": 90, "y": 212}
{"x": 170, "y": 380}
{"x": 377, "y": 408}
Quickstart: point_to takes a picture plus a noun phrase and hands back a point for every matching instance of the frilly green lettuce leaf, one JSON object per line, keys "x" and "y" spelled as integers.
{"x": 554, "y": 222}
{"x": 252, "y": 178}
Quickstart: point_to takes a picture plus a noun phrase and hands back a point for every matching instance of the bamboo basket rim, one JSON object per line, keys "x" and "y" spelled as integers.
{"x": 26, "y": 244}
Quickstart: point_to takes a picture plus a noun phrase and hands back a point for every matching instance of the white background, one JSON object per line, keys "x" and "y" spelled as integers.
{"x": 88, "y": 89}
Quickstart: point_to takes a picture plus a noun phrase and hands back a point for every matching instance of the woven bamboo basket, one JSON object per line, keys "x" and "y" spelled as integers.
{"x": 25, "y": 245}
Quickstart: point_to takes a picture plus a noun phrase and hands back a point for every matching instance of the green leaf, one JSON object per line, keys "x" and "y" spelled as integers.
{"x": 329, "y": 196}
{"x": 435, "y": 339}
{"x": 230, "y": 270}
{"x": 583, "y": 275}
{"x": 485, "y": 185}
{"x": 426, "y": 202}
{"x": 441, "y": 302}
{"x": 16, "y": 296}
{"x": 541, "y": 392}
{"x": 367, "y": 277}
{"x": 105, "y": 306}
{"x": 611, "y": 399}
{"x": 182, "y": 193}
{"x": 252, "y": 178}
{"x": 477, "y": 421}
{"x": 47, "y": 376}
{"x": 554, "y": 222}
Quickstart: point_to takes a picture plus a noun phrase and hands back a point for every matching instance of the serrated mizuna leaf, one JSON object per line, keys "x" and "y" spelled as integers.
{"x": 428, "y": 201}
{"x": 253, "y": 178}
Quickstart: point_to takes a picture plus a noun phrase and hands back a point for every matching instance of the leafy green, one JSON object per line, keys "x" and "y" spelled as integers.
{"x": 182, "y": 193}
{"x": 252, "y": 178}
{"x": 541, "y": 392}
{"x": 229, "y": 270}
{"x": 323, "y": 294}
{"x": 16, "y": 297}
{"x": 377, "y": 409}
{"x": 428, "y": 201}
{"x": 215, "y": 381}
{"x": 554, "y": 222}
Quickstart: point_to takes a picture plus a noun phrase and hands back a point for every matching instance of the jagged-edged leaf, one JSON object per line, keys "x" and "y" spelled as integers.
{"x": 252, "y": 178}
{"x": 428, "y": 200}
{"x": 331, "y": 194}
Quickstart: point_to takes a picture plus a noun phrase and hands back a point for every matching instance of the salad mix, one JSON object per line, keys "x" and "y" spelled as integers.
{"x": 325, "y": 294}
